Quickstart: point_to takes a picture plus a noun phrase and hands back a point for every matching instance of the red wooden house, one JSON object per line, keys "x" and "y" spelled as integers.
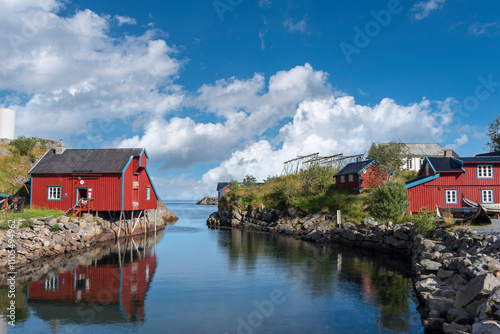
{"x": 100, "y": 179}
{"x": 446, "y": 181}
{"x": 360, "y": 175}
{"x": 222, "y": 189}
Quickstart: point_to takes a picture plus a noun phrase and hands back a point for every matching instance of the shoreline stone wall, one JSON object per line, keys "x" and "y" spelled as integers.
{"x": 455, "y": 274}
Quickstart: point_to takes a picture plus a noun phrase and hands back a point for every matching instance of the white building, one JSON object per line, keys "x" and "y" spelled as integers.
{"x": 7, "y": 123}
{"x": 418, "y": 152}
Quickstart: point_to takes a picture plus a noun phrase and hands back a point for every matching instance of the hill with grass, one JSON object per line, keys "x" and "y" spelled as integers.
{"x": 17, "y": 157}
{"x": 312, "y": 190}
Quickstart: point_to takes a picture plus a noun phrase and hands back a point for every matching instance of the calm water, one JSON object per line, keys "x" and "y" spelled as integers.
{"x": 190, "y": 279}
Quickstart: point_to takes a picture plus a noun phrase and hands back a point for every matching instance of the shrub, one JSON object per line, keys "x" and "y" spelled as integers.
{"x": 423, "y": 222}
{"x": 55, "y": 228}
{"x": 24, "y": 146}
{"x": 389, "y": 201}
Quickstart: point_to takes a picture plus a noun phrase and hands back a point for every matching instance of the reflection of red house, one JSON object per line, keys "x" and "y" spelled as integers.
{"x": 124, "y": 287}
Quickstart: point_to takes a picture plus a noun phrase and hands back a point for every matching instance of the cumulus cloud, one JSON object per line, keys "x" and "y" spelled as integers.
{"x": 300, "y": 26}
{"x": 121, "y": 20}
{"x": 479, "y": 29}
{"x": 70, "y": 70}
{"x": 423, "y": 9}
{"x": 460, "y": 141}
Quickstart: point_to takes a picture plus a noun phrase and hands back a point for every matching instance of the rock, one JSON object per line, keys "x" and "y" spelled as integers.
{"x": 61, "y": 226}
{"x": 455, "y": 328}
{"x": 431, "y": 265}
{"x": 52, "y": 222}
{"x": 433, "y": 325}
{"x": 459, "y": 316}
{"x": 285, "y": 229}
{"x": 63, "y": 219}
{"x": 486, "y": 327}
{"x": 439, "y": 304}
{"x": 401, "y": 235}
{"x": 493, "y": 266}
{"x": 46, "y": 219}
{"x": 490, "y": 310}
{"x": 443, "y": 274}
{"x": 82, "y": 224}
{"x": 72, "y": 227}
{"x": 479, "y": 287}
{"x": 369, "y": 222}
{"x": 473, "y": 307}
{"x": 4, "y": 151}
{"x": 88, "y": 217}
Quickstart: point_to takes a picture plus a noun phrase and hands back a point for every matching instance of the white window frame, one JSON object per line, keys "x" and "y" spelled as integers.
{"x": 342, "y": 178}
{"x": 148, "y": 193}
{"x": 451, "y": 196}
{"x": 484, "y": 171}
{"x": 351, "y": 177}
{"x": 409, "y": 164}
{"x": 54, "y": 193}
{"x": 487, "y": 196}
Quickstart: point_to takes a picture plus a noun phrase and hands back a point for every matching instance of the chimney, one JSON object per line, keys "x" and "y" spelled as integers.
{"x": 60, "y": 147}
{"x": 448, "y": 153}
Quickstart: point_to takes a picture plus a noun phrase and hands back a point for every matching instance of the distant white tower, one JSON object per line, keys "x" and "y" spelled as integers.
{"x": 7, "y": 123}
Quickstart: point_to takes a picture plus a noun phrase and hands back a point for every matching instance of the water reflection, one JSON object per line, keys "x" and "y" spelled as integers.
{"x": 109, "y": 287}
{"x": 329, "y": 270}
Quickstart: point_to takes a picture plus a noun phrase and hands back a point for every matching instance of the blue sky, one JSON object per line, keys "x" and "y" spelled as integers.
{"x": 219, "y": 89}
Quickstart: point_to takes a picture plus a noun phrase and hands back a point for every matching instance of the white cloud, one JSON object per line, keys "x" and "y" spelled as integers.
{"x": 423, "y": 9}
{"x": 300, "y": 26}
{"x": 460, "y": 141}
{"x": 262, "y": 43}
{"x": 265, "y": 3}
{"x": 66, "y": 71}
{"x": 484, "y": 28}
{"x": 121, "y": 20}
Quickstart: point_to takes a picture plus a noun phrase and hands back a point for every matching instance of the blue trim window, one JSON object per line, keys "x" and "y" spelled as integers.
{"x": 148, "y": 193}
{"x": 487, "y": 196}
{"x": 342, "y": 178}
{"x": 53, "y": 193}
{"x": 484, "y": 171}
{"x": 451, "y": 196}
{"x": 351, "y": 177}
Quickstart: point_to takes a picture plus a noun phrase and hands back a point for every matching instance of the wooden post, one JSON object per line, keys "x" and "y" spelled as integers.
{"x": 131, "y": 221}
{"x": 339, "y": 218}
{"x": 135, "y": 222}
{"x": 155, "y": 223}
{"x": 119, "y": 254}
{"x": 120, "y": 225}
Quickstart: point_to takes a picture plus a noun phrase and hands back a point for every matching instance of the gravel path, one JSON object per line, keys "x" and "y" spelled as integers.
{"x": 494, "y": 228}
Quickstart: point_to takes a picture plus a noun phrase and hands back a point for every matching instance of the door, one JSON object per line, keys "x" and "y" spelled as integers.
{"x": 81, "y": 193}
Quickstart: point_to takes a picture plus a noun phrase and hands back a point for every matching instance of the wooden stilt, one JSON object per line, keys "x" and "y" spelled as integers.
{"x": 120, "y": 224}
{"x": 155, "y": 222}
{"x": 119, "y": 254}
{"x": 136, "y": 221}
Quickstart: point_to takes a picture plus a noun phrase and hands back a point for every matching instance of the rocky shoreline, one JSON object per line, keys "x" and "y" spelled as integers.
{"x": 455, "y": 273}
{"x": 49, "y": 237}
{"x": 208, "y": 201}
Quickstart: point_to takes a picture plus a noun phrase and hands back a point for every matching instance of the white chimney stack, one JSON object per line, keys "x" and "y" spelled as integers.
{"x": 7, "y": 123}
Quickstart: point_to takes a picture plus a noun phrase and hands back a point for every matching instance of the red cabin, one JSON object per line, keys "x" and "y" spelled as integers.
{"x": 362, "y": 174}
{"x": 222, "y": 189}
{"x": 446, "y": 181}
{"x": 100, "y": 179}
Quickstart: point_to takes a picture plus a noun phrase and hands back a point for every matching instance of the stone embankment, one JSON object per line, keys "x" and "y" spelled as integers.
{"x": 455, "y": 273}
{"x": 208, "y": 201}
{"x": 49, "y": 237}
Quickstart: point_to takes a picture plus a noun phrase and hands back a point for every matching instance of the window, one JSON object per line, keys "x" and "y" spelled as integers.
{"x": 426, "y": 169}
{"x": 451, "y": 197}
{"x": 484, "y": 171}
{"x": 487, "y": 196}
{"x": 421, "y": 163}
{"x": 409, "y": 164}
{"x": 351, "y": 177}
{"x": 148, "y": 193}
{"x": 54, "y": 193}
{"x": 342, "y": 178}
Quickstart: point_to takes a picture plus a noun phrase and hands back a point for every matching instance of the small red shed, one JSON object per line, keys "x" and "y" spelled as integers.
{"x": 362, "y": 174}
{"x": 222, "y": 189}
{"x": 446, "y": 181}
{"x": 102, "y": 179}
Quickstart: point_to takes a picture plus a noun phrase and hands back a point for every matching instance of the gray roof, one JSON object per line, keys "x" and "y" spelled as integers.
{"x": 86, "y": 161}
{"x": 354, "y": 167}
{"x": 423, "y": 150}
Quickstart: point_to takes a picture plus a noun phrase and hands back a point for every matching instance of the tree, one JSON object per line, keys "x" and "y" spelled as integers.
{"x": 391, "y": 155}
{"x": 249, "y": 181}
{"x": 493, "y": 133}
{"x": 24, "y": 145}
{"x": 389, "y": 201}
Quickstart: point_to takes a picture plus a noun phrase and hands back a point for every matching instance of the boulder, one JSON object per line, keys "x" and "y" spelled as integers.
{"x": 433, "y": 325}
{"x": 459, "y": 316}
{"x": 64, "y": 219}
{"x": 431, "y": 265}
{"x": 455, "y": 328}
{"x": 477, "y": 288}
{"x": 52, "y": 222}
{"x": 401, "y": 235}
{"x": 88, "y": 217}
{"x": 369, "y": 222}
{"x": 491, "y": 309}
{"x": 72, "y": 227}
{"x": 439, "y": 304}
{"x": 486, "y": 327}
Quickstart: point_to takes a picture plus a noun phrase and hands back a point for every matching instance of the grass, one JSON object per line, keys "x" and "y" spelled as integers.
{"x": 28, "y": 215}
{"x": 312, "y": 190}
